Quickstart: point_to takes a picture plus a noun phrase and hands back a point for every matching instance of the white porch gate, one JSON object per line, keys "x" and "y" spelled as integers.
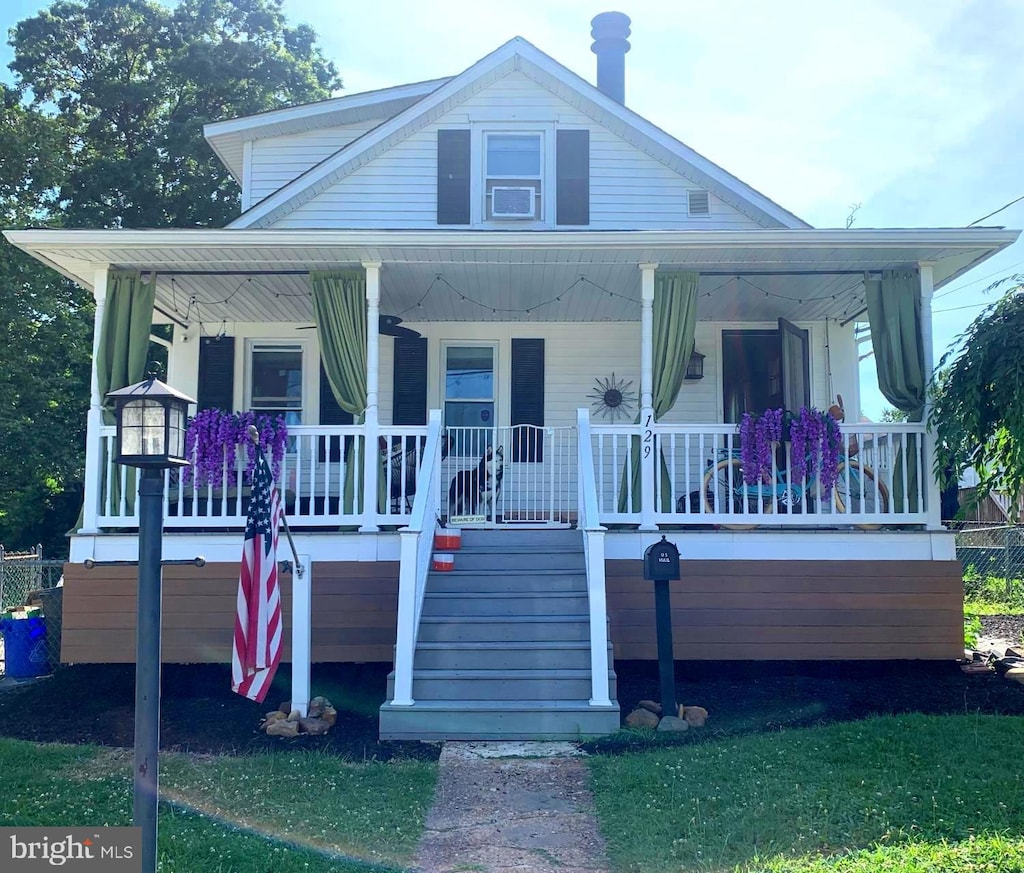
{"x": 510, "y": 475}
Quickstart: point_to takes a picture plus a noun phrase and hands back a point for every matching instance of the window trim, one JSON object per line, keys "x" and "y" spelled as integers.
{"x": 479, "y": 178}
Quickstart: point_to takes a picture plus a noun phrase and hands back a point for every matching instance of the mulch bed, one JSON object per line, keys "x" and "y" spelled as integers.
{"x": 94, "y": 703}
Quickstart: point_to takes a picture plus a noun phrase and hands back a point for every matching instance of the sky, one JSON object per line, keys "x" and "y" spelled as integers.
{"x": 913, "y": 110}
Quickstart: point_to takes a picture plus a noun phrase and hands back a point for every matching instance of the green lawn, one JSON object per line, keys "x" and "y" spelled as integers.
{"x": 286, "y": 812}
{"x": 907, "y": 793}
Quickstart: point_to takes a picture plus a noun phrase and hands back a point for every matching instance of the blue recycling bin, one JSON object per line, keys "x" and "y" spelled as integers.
{"x": 25, "y": 651}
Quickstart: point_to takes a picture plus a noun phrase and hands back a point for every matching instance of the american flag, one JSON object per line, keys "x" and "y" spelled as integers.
{"x": 258, "y": 625}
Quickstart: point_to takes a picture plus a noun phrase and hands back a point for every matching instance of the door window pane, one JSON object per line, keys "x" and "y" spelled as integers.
{"x": 469, "y": 373}
{"x": 276, "y": 387}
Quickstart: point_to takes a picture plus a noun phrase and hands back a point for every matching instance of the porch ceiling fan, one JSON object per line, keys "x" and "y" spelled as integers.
{"x": 387, "y": 325}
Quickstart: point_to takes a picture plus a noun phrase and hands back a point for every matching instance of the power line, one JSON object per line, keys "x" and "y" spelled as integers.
{"x": 1000, "y": 209}
{"x": 976, "y": 281}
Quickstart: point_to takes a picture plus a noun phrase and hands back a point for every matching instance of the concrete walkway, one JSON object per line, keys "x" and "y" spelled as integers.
{"x": 503, "y": 807}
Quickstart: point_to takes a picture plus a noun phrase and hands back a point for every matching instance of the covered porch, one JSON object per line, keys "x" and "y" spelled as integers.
{"x": 590, "y": 299}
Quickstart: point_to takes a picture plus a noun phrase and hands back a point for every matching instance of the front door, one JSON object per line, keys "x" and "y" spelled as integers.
{"x": 495, "y": 473}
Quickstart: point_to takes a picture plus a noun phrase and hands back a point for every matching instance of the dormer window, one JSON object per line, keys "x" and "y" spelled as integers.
{"x": 513, "y": 169}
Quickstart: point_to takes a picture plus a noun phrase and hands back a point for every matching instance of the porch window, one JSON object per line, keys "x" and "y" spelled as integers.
{"x": 513, "y": 166}
{"x": 275, "y": 380}
{"x": 469, "y": 399}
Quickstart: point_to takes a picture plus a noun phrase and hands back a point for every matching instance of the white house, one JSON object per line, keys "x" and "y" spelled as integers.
{"x": 512, "y": 258}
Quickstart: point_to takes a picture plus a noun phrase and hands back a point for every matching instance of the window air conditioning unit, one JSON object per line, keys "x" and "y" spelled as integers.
{"x": 519, "y": 202}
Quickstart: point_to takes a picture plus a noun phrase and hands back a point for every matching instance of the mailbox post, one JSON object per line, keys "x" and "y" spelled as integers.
{"x": 661, "y": 566}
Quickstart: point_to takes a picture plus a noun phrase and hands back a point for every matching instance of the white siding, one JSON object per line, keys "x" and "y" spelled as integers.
{"x": 398, "y": 189}
{"x": 277, "y": 160}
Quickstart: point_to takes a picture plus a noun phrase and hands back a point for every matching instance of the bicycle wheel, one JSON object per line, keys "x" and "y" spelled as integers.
{"x": 724, "y": 493}
{"x": 867, "y": 493}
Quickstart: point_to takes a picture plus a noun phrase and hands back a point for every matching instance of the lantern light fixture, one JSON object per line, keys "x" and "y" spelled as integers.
{"x": 151, "y": 421}
{"x": 695, "y": 366}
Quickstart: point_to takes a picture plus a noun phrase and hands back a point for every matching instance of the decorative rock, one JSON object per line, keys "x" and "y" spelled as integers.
{"x": 642, "y": 718}
{"x": 316, "y": 707}
{"x": 695, "y": 716}
{"x": 1015, "y": 674}
{"x": 1012, "y": 653}
{"x": 671, "y": 723}
{"x": 283, "y": 729}
{"x": 294, "y": 715}
{"x": 285, "y": 707}
{"x": 329, "y": 715}
{"x": 650, "y": 706}
{"x": 276, "y": 715}
{"x": 314, "y": 726}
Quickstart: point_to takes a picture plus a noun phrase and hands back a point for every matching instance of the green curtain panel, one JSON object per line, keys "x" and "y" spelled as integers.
{"x": 894, "y": 317}
{"x": 339, "y": 310}
{"x": 122, "y": 353}
{"x": 675, "y": 320}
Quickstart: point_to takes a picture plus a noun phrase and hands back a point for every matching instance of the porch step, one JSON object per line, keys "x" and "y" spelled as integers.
{"x": 505, "y": 655}
{"x": 490, "y": 560}
{"x": 459, "y": 605}
{"x": 508, "y": 685}
{"x": 533, "y": 581}
{"x": 497, "y": 720}
{"x": 512, "y": 539}
{"x": 505, "y": 628}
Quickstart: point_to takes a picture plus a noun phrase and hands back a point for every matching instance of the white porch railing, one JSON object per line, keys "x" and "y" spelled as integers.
{"x": 417, "y": 545}
{"x": 312, "y": 481}
{"x": 593, "y": 549}
{"x": 699, "y": 478}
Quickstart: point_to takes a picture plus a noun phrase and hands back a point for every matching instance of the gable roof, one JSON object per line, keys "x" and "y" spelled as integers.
{"x": 227, "y": 138}
{"x": 519, "y": 54}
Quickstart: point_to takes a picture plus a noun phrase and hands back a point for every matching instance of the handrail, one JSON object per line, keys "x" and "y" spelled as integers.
{"x": 593, "y": 548}
{"x": 416, "y": 548}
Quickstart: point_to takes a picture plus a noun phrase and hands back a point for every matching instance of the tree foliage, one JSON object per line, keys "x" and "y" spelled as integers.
{"x": 978, "y": 409}
{"x": 103, "y": 128}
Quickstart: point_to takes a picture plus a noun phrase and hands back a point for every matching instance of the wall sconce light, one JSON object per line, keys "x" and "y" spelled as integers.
{"x": 695, "y": 367}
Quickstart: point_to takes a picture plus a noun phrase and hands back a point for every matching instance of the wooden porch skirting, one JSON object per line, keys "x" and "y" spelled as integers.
{"x": 793, "y": 610}
{"x": 721, "y": 610}
{"x": 355, "y": 607}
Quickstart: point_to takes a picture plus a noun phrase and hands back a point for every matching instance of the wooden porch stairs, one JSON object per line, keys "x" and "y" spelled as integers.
{"x": 504, "y": 645}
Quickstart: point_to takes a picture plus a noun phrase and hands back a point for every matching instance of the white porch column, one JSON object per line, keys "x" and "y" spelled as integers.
{"x": 94, "y": 421}
{"x": 647, "y": 468}
{"x": 371, "y": 457}
{"x": 932, "y": 491}
{"x": 302, "y": 634}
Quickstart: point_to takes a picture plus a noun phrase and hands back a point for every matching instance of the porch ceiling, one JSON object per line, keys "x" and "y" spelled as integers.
{"x": 233, "y": 275}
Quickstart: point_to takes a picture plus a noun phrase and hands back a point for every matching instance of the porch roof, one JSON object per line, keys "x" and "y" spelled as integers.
{"x": 758, "y": 275}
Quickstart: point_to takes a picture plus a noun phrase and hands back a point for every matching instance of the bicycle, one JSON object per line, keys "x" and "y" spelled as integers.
{"x": 724, "y": 490}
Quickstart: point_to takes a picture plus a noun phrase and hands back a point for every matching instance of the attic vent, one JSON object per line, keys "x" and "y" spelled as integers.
{"x": 515, "y": 202}
{"x": 699, "y": 202}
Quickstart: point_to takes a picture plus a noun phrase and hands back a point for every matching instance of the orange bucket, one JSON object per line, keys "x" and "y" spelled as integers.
{"x": 448, "y": 539}
{"x": 443, "y": 562}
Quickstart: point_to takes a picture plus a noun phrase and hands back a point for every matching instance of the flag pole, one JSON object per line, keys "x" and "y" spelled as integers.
{"x": 254, "y": 435}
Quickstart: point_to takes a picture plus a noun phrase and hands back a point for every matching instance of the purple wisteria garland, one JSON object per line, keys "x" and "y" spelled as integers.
{"x": 213, "y": 438}
{"x": 816, "y": 445}
{"x": 758, "y": 435}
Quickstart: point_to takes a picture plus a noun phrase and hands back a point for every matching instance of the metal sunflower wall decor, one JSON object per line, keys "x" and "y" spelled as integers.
{"x": 613, "y": 398}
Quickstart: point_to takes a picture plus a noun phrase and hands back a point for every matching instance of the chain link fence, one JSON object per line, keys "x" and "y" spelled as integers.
{"x": 993, "y": 560}
{"x": 30, "y": 589}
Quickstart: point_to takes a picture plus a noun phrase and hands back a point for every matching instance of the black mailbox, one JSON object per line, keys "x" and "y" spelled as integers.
{"x": 661, "y": 562}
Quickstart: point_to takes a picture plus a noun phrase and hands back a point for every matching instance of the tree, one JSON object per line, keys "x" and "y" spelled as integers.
{"x": 104, "y": 129}
{"x": 978, "y": 409}
{"x": 893, "y": 415}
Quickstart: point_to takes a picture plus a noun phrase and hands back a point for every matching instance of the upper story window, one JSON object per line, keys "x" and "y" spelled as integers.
{"x": 513, "y": 169}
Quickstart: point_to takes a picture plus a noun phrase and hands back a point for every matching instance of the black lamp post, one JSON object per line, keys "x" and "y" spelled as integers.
{"x": 151, "y": 422}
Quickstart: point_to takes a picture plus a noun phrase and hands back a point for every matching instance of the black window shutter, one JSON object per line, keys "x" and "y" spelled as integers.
{"x": 330, "y": 413}
{"x": 528, "y": 398}
{"x": 572, "y": 186}
{"x": 216, "y": 373}
{"x": 453, "y": 172}
{"x": 410, "y": 381}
